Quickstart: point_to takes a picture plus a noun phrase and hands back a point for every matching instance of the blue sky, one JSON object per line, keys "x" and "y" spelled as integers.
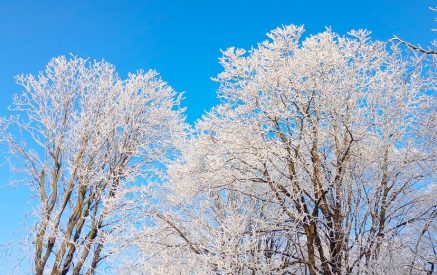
{"x": 179, "y": 39}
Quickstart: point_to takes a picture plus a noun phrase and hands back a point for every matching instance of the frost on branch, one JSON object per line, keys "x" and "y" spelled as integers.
{"x": 92, "y": 147}
{"x": 320, "y": 159}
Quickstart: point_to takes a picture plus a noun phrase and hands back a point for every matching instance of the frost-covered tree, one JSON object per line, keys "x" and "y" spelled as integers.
{"x": 90, "y": 145}
{"x": 320, "y": 159}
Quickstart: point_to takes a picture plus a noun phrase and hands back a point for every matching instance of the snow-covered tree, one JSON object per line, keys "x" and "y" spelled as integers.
{"x": 320, "y": 159}
{"x": 91, "y": 147}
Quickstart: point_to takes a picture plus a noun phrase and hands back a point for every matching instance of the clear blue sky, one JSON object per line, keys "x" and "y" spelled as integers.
{"x": 180, "y": 39}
